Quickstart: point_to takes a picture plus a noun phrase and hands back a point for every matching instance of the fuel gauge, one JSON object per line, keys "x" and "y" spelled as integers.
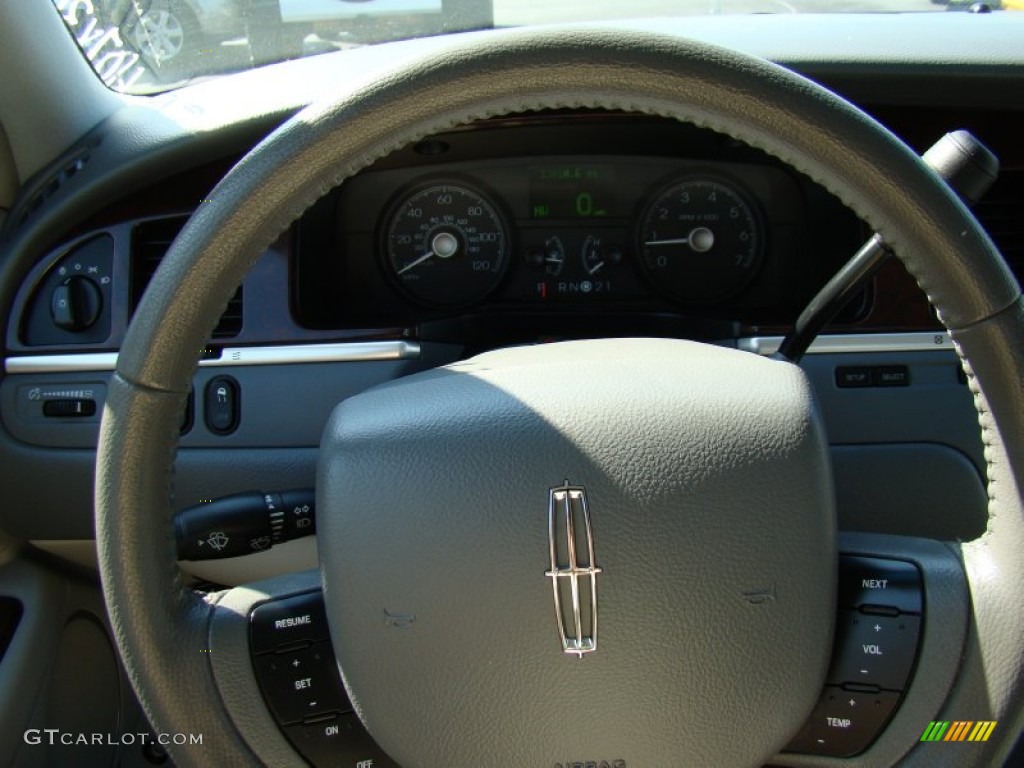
{"x": 554, "y": 256}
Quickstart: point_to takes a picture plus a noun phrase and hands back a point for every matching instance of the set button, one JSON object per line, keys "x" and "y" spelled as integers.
{"x": 302, "y": 684}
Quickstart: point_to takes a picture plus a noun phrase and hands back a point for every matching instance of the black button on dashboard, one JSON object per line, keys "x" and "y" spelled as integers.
{"x": 868, "y": 581}
{"x": 222, "y": 405}
{"x": 874, "y": 650}
{"x": 844, "y": 723}
{"x": 891, "y": 376}
{"x": 849, "y": 377}
{"x": 294, "y": 620}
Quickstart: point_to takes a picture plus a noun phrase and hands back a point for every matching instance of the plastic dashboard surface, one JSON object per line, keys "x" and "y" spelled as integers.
{"x": 574, "y": 178}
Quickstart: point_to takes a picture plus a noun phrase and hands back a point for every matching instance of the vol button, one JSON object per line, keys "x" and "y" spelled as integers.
{"x": 874, "y": 650}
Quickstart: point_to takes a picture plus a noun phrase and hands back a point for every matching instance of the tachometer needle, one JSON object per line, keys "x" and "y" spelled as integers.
{"x": 673, "y": 241}
{"x": 700, "y": 240}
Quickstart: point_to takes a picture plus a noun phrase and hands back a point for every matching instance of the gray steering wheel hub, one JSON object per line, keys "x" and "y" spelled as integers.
{"x": 706, "y": 480}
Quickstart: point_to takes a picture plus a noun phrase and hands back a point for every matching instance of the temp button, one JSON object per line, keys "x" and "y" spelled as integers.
{"x": 844, "y": 723}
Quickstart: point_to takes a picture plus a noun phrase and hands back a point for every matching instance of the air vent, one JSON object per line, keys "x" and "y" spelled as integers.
{"x": 50, "y": 186}
{"x": 1001, "y": 212}
{"x": 150, "y": 241}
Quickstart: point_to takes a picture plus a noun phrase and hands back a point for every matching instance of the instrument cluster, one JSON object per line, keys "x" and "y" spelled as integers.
{"x": 696, "y": 237}
{"x": 499, "y": 221}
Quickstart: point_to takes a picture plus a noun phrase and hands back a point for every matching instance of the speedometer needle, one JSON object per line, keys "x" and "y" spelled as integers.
{"x": 444, "y": 246}
{"x": 416, "y": 262}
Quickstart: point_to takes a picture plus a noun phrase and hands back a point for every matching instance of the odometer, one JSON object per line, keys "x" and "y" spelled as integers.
{"x": 445, "y": 244}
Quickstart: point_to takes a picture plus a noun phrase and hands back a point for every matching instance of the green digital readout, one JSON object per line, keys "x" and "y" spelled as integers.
{"x": 570, "y": 192}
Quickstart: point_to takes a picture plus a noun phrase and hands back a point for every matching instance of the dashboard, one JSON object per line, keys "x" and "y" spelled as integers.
{"x": 515, "y": 230}
{"x": 522, "y": 229}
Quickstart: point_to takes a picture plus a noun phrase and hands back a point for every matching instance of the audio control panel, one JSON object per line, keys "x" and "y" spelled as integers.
{"x": 880, "y": 609}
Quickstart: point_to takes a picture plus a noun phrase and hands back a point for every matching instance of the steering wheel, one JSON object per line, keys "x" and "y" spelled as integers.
{"x": 435, "y": 493}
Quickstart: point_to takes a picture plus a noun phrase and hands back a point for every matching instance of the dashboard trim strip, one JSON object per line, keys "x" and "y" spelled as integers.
{"x": 926, "y": 341}
{"x": 349, "y": 352}
{"x": 369, "y": 351}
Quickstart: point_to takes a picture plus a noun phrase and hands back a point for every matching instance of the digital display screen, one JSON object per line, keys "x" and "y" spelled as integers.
{"x": 571, "y": 192}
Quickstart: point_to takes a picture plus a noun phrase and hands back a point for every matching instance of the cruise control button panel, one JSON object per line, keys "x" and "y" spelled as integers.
{"x": 298, "y": 676}
{"x": 878, "y": 625}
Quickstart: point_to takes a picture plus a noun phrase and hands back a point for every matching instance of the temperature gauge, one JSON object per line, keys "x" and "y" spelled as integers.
{"x": 600, "y": 257}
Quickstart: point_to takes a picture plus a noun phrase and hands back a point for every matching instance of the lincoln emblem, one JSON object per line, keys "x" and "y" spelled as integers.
{"x": 573, "y": 572}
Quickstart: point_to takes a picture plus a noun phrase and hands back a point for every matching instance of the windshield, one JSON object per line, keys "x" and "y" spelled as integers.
{"x": 146, "y": 46}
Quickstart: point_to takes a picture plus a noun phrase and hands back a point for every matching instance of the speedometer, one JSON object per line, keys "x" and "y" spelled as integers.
{"x": 445, "y": 244}
{"x": 700, "y": 240}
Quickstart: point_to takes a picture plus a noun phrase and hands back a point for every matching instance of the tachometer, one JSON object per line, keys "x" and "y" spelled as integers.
{"x": 699, "y": 240}
{"x": 445, "y": 244}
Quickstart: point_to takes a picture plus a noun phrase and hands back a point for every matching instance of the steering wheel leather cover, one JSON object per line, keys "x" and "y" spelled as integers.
{"x": 161, "y": 627}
